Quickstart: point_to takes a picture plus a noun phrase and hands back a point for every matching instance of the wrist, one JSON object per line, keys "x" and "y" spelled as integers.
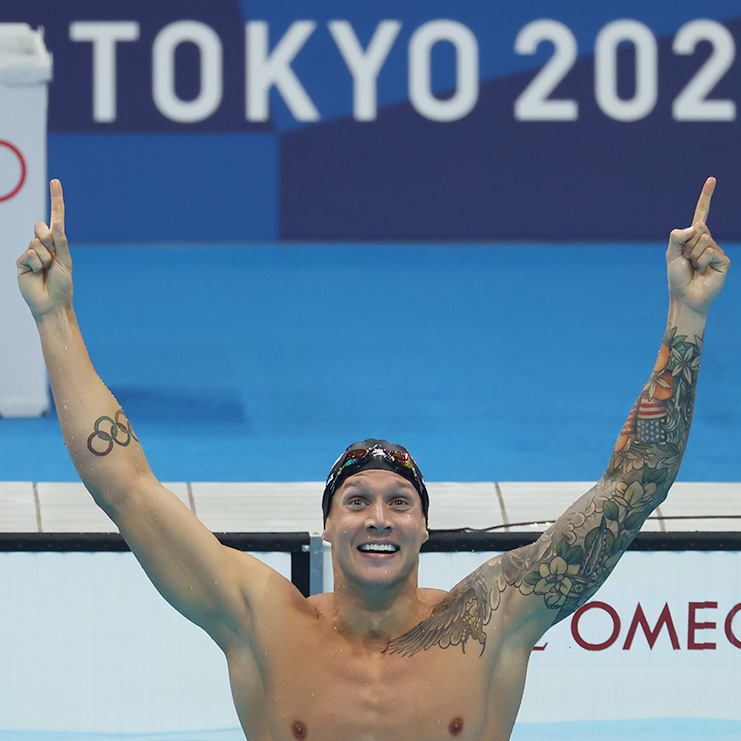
{"x": 55, "y": 319}
{"x": 688, "y": 320}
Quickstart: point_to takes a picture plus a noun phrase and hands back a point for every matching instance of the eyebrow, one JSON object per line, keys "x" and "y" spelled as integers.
{"x": 409, "y": 494}
{"x": 357, "y": 488}
{"x": 400, "y": 486}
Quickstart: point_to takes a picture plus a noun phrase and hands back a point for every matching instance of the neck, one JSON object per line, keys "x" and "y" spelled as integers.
{"x": 374, "y": 616}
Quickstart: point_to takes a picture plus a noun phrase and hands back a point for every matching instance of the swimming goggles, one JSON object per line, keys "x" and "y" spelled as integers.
{"x": 374, "y": 456}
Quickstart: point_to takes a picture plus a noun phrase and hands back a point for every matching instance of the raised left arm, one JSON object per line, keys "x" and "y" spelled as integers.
{"x": 563, "y": 569}
{"x": 537, "y": 585}
{"x": 531, "y": 588}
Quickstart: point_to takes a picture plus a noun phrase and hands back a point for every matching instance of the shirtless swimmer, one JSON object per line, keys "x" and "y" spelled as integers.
{"x": 379, "y": 659}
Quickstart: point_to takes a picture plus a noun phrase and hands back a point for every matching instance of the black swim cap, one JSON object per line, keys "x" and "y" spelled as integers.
{"x": 369, "y": 454}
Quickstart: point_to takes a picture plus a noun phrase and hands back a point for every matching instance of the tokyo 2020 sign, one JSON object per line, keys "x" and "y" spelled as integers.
{"x": 321, "y": 121}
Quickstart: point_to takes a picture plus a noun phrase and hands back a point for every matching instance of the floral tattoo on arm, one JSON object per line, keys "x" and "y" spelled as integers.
{"x": 572, "y": 559}
{"x": 567, "y": 565}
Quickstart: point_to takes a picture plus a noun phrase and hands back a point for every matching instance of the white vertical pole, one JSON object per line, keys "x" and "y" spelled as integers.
{"x": 25, "y": 70}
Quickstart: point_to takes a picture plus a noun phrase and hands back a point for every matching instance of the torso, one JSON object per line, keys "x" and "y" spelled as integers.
{"x": 298, "y": 678}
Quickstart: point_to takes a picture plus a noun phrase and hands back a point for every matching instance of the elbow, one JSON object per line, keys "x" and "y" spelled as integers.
{"x": 107, "y": 499}
{"x": 112, "y": 496}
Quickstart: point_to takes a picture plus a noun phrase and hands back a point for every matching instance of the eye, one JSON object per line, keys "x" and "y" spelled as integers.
{"x": 400, "y": 502}
{"x": 356, "y": 502}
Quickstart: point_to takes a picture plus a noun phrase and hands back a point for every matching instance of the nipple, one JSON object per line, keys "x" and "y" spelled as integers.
{"x": 456, "y": 726}
{"x": 299, "y": 730}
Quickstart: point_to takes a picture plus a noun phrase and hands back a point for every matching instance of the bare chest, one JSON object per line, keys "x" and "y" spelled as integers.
{"x": 313, "y": 687}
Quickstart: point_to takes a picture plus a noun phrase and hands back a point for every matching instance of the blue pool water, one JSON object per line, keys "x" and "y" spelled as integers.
{"x": 477, "y": 351}
{"x": 233, "y": 734}
{"x": 657, "y": 729}
{"x": 660, "y": 729}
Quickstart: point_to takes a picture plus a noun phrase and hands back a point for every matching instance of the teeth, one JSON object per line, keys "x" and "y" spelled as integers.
{"x": 379, "y": 548}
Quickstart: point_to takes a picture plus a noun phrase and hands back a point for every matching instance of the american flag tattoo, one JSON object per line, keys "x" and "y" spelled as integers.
{"x": 646, "y": 420}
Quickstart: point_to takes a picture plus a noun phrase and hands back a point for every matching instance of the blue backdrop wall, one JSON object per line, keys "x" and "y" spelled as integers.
{"x": 229, "y": 120}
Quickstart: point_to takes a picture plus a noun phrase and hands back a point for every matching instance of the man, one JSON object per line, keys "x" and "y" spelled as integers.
{"x": 379, "y": 659}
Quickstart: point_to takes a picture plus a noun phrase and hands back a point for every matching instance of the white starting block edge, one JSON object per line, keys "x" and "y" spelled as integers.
{"x": 284, "y": 507}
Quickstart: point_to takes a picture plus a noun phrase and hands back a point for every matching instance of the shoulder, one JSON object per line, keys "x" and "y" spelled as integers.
{"x": 319, "y": 605}
{"x": 267, "y": 592}
{"x": 459, "y": 616}
{"x": 430, "y": 597}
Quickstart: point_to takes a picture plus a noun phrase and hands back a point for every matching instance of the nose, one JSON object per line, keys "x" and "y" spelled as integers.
{"x": 377, "y": 520}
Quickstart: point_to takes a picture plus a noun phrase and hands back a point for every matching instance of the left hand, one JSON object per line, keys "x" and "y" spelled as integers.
{"x": 696, "y": 265}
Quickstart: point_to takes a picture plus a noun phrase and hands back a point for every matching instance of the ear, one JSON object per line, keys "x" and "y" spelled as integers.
{"x": 427, "y": 535}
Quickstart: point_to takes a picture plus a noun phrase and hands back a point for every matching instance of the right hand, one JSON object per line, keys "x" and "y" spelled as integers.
{"x": 45, "y": 268}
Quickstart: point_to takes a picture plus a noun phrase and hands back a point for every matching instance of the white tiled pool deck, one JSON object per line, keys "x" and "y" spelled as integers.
{"x": 521, "y": 507}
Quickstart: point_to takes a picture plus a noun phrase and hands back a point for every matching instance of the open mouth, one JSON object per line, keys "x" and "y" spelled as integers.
{"x": 378, "y": 549}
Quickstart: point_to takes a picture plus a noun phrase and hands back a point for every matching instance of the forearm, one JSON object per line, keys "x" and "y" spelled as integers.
{"x": 569, "y": 563}
{"x": 98, "y": 437}
{"x": 652, "y": 442}
{"x": 572, "y": 559}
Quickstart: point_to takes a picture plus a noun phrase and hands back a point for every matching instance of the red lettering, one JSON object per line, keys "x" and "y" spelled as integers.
{"x": 729, "y": 630}
{"x": 693, "y": 626}
{"x": 540, "y": 648}
{"x": 639, "y": 618}
{"x": 615, "y": 626}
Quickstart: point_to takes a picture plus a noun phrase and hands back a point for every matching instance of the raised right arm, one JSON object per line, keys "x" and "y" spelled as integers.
{"x": 212, "y": 585}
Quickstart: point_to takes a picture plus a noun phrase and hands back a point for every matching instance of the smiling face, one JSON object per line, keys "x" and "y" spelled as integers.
{"x": 376, "y": 527}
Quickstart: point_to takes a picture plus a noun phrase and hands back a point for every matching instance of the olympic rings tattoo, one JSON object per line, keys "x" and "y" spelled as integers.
{"x": 114, "y": 435}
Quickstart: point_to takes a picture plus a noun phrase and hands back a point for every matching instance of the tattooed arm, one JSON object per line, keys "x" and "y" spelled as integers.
{"x": 188, "y": 565}
{"x": 568, "y": 564}
{"x": 529, "y": 589}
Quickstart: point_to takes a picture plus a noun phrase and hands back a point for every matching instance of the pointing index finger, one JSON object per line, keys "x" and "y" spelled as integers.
{"x": 56, "y": 222}
{"x": 703, "y": 202}
{"x": 57, "y": 207}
